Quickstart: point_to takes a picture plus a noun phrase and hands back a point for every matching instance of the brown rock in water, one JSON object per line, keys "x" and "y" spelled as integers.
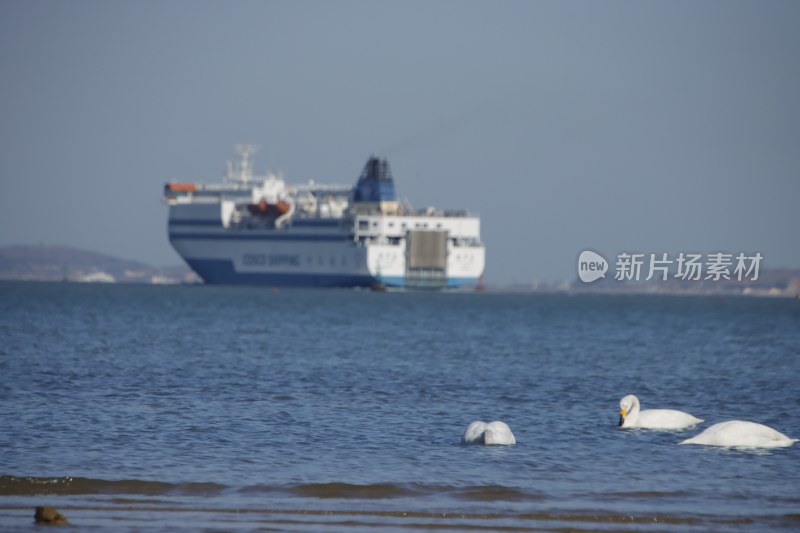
{"x": 48, "y": 515}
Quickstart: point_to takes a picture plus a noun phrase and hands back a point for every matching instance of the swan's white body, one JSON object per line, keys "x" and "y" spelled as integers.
{"x": 479, "y": 432}
{"x": 631, "y": 417}
{"x": 743, "y": 434}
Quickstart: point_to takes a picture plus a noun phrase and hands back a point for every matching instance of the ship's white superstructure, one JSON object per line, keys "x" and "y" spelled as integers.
{"x": 262, "y": 231}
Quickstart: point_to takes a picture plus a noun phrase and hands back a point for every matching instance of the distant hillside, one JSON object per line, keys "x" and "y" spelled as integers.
{"x": 56, "y": 263}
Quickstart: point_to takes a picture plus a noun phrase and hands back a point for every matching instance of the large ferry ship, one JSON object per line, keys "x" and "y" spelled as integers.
{"x": 262, "y": 231}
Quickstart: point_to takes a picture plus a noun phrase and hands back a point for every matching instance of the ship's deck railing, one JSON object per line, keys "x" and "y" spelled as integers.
{"x": 321, "y": 187}
{"x": 461, "y": 213}
{"x": 210, "y": 192}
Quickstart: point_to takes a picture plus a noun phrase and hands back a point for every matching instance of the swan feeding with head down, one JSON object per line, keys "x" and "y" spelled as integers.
{"x": 631, "y": 417}
{"x": 741, "y": 434}
{"x": 479, "y": 432}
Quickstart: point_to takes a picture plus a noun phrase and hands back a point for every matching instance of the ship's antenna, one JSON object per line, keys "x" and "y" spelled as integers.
{"x": 245, "y": 151}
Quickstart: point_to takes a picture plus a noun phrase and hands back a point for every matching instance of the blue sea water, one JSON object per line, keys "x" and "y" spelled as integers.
{"x": 231, "y": 408}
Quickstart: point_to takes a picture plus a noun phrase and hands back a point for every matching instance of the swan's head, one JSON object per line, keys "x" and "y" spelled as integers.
{"x": 626, "y": 405}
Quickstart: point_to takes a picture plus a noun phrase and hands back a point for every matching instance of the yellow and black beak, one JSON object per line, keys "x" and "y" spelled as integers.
{"x": 622, "y": 414}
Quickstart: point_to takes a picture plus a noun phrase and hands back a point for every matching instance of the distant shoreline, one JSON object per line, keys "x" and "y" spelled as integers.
{"x": 62, "y": 263}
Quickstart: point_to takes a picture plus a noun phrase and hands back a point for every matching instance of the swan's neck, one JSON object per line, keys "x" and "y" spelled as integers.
{"x": 633, "y": 414}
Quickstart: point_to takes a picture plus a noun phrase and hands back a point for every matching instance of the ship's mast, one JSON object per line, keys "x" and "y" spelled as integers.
{"x": 245, "y": 151}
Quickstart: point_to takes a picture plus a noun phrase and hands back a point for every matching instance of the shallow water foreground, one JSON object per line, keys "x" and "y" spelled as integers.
{"x": 248, "y": 409}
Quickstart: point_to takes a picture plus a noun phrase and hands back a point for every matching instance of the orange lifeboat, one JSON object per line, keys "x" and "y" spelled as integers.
{"x": 180, "y": 187}
{"x": 265, "y": 208}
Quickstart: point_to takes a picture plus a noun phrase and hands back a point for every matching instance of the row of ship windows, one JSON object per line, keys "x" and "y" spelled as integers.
{"x": 398, "y": 240}
{"x": 364, "y": 224}
{"x": 331, "y": 260}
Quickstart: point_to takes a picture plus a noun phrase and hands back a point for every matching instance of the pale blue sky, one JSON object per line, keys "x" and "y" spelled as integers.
{"x": 618, "y": 126}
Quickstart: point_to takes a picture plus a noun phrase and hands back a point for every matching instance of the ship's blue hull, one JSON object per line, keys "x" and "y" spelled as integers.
{"x": 222, "y": 272}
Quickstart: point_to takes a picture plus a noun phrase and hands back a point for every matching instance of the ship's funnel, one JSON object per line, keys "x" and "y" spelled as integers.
{"x": 375, "y": 188}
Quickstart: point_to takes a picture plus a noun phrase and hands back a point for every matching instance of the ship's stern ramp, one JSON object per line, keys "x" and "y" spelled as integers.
{"x": 426, "y": 259}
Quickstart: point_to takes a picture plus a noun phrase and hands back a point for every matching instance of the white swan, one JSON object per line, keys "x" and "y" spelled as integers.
{"x": 742, "y": 434}
{"x": 631, "y": 417}
{"x": 479, "y": 432}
